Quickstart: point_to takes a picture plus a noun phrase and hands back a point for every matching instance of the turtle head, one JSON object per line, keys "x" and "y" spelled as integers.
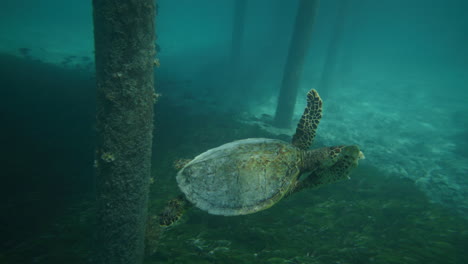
{"x": 331, "y": 164}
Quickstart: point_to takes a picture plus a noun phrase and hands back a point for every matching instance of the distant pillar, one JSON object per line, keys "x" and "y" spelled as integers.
{"x": 326, "y": 80}
{"x": 124, "y": 36}
{"x": 237, "y": 32}
{"x": 300, "y": 43}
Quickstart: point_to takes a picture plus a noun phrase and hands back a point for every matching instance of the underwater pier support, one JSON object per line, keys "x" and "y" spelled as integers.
{"x": 326, "y": 79}
{"x": 124, "y": 35}
{"x": 237, "y": 38}
{"x": 300, "y": 43}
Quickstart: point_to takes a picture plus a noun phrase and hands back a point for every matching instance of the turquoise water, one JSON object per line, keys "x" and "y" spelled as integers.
{"x": 393, "y": 76}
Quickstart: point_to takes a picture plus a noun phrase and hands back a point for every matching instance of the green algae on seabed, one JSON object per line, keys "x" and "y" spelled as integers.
{"x": 346, "y": 231}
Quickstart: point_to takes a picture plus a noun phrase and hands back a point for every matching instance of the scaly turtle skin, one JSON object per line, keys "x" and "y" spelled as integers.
{"x": 250, "y": 175}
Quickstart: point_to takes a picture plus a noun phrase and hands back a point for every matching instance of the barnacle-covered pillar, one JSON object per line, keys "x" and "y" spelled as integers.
{"x": 124, "y": 35}
{"x": 298, "y": 47}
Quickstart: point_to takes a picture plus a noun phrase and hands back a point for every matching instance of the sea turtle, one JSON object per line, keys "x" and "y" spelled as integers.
{"x": 250, "y": 175}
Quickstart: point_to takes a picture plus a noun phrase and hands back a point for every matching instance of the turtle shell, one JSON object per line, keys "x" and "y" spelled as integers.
{"x": 240, "y": 177}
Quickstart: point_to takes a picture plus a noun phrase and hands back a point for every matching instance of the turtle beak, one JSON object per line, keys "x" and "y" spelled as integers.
{"x": 361, "y": 156}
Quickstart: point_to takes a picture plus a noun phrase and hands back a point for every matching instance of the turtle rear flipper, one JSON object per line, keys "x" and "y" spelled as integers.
{"x": 173, "y": 211}
{"x": 158, "y": 224}
{"x": 307, "y": 126}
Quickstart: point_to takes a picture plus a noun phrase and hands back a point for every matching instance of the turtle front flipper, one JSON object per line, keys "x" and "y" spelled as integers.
{"x": 307, "y": 126}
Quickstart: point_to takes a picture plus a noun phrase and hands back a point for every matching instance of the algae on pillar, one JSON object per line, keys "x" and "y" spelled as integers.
{"x": 124, "y": 35}
{"x": 300, "y": 43}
